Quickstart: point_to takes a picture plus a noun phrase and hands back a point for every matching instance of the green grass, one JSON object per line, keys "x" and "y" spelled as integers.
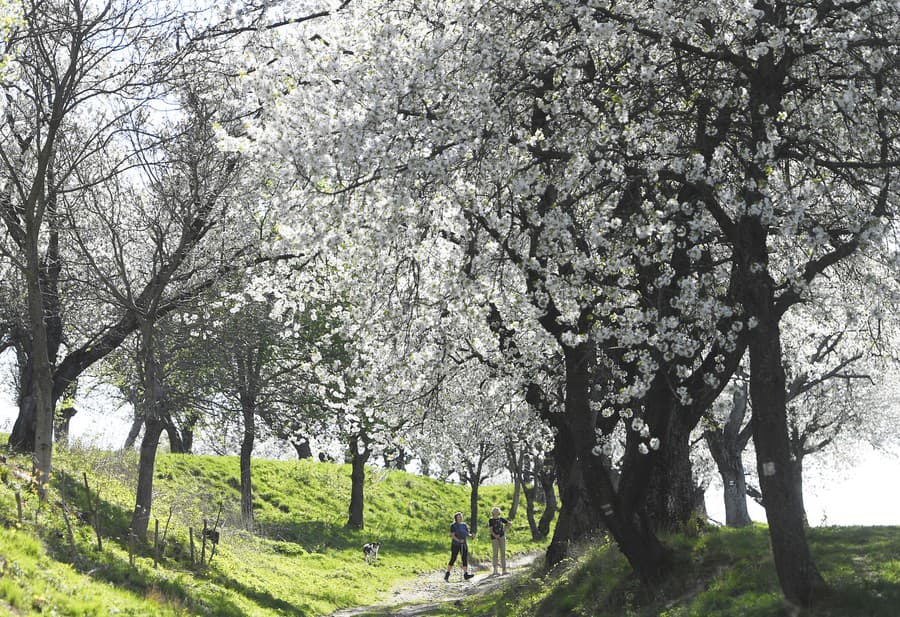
{"x": 721, "y": 573}
{"x": 300, "y": 560}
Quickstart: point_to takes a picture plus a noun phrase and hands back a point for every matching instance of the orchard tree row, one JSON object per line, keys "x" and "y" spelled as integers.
{"x": 583, "y": 238}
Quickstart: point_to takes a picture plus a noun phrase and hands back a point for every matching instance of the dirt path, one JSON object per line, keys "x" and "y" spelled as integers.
{"x": 429, "y": 591}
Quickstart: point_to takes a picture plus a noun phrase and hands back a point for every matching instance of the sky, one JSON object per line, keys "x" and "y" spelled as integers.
{"x": 861, "y": 494}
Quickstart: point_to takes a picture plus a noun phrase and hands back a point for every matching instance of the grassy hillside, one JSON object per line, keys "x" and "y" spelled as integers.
{"x": 721, "y": 573}
{"x": 301, "y": 560}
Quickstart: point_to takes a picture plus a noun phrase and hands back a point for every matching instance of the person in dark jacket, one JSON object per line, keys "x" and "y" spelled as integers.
{"x": 498, "y": 526}
{"x": 459, "y": 535}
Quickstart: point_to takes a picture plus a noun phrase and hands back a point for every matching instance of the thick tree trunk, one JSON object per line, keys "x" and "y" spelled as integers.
{"x": 246, "y": 454}
{"x": 21, "y": 439}
{"x": 800, "y": 579}
{"x": 358, "y": 458}
{"x": 635, "y": 538}
{"x": 37, "y": 398}
{"x": 577, "y": 516}
{"x": 735, "y": 496}
{"x": 42, "y": 383}
{"x": 187, "y": 440}
{"x": 140, "y": 518}
{"x": 64, "y": 416}
{"x": 671, "y": 492}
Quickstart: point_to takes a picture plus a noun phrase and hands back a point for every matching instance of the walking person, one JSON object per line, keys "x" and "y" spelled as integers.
{"x": 498, "y": 526}
{"x": 459, "y": 534}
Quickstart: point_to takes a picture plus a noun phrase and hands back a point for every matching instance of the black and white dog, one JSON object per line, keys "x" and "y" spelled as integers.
{"x": 370, "y": 551}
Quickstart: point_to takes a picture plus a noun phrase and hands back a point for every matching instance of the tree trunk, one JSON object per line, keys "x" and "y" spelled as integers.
{"x": 473, "y": 504}
{"x": 303, "y": 449}
{"x": 140, "y": 518}
{"x": 797, "y": 480}
{"x": 153, "y": 402}
{"x": 529, "y": 510}
{"x": 671, "y": 492}
{"x": 516, "y": 463}
{"x": 176, "y": 445}
{"x": 33, "y": 429}
{"x": 42, "y": 383}
{"x": 545, "y": 473}
{"x": 21, "y": 439}
{"x": 726, "y": 445}
{"x": 800, "y": 579}
{"x": 731, "y": 468}
{"x": 64, "y": 416}
{"x": 246, "y": 453}
{"x": 646, "y": 555}
{"x": 577, "y": 517}
{"x": 134, "y": 431}
{"x": 358, "y": 458}
{"x": 187, "y": 432}
{"x": 474, "y": 478}
{"x": 187, "y": 440}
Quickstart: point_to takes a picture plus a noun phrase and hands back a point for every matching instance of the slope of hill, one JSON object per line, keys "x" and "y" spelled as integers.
{"x": 717, "y": 573}
{"x": 300, "y": 559}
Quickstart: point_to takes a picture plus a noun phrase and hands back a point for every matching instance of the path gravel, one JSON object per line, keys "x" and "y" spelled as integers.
{"x": 429, "y": 591}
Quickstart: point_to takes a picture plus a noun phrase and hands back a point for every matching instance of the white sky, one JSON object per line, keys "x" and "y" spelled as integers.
{"x": 859, "y": 495}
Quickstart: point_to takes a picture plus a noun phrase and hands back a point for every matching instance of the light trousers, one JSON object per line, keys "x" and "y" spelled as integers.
{"x": 499, "y": 545}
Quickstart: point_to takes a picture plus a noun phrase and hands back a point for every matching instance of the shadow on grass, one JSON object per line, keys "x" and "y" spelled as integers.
{"x": 112, "y": 566}
{"x": 262, "y": 598}
{"x": 114, "y": 520}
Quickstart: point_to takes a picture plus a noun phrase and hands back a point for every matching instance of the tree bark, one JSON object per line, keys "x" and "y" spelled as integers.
{"x": 577, "y": 517}
{"x": 153, "y": 409}
{"x": 545, "y": 474}
{"x": 21, "y": 439}
{"x": 671, "y": 492}
{"x": 176, "y": 444}
{"x": 42, "y": 383}
{"x": 530, "y": 511}
{"x": 797, "y": 479}
{"x": 140, "y": 518}
{"x": 136, "y": 424}
{"x": 246, "y": 454}
{"x": 726, "y": 446}
{"x": 799, "y": 577}
{"x": 635, "y": 538}
{"x": 731, "y": 469}
{"x": 516, "y": 465}
{"x": 359, "y": 454}
{"x": 303, "y": 448}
